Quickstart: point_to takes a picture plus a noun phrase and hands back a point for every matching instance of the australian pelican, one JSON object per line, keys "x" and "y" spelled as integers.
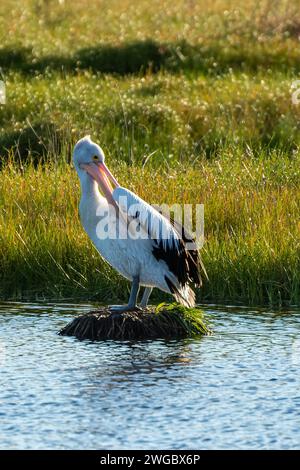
{"x": 158, "y": 257}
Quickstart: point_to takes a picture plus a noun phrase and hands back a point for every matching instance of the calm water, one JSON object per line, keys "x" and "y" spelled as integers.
{"x": 239, "y": 388}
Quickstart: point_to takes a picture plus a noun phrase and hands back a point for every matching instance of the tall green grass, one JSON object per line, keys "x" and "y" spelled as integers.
{"x": 171, "y": 118}
{"x": 251, "y": 251}
{"x": 191, "y": 102}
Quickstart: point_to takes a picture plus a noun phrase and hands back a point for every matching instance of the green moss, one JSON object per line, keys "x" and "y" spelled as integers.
{"x": 191, "y": 320}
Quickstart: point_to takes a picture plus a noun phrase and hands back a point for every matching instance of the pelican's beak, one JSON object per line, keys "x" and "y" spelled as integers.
{"x": 101, "y": 174}
{"x": 108, "y": 174}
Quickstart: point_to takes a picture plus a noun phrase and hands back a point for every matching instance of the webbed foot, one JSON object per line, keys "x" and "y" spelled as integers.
{"x": 124, "y": 308}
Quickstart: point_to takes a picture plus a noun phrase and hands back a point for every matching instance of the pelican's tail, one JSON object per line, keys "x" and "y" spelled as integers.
{"x": 183, "y": 294}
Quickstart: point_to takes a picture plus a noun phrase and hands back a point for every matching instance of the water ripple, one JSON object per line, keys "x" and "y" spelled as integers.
{"x": 236, "y": 389}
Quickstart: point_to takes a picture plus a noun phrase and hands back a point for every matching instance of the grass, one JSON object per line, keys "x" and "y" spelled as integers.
{"x": 164, "y": 321}
{"x": 192, "y": 104}
{"x": 251, "y": 251}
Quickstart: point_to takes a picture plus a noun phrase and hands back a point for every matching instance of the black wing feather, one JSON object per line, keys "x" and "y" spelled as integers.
{"x": 183, "y": 263}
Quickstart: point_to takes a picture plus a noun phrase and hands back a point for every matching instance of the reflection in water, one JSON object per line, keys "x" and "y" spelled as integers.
{"x": 236, "y": 389}
{"x": 144, "y": 358}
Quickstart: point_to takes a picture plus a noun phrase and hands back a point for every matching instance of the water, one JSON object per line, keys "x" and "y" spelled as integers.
{"x": 237, "y": 389}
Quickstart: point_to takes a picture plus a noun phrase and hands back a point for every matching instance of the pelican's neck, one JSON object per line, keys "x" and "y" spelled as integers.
{"x": 90, "y": 203}
{"x": 89, "y": 187}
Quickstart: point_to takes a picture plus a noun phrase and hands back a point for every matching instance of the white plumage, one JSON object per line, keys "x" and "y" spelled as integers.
{"x": 154, "y": 223}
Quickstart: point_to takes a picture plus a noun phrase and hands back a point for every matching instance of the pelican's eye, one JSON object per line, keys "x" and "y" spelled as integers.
{"x": 96, "y": 158}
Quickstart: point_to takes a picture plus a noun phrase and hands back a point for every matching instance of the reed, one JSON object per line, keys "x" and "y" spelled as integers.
{"x": 251, "y": 249}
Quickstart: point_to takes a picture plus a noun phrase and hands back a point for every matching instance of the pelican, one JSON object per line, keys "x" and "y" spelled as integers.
{"x": 157, "y": 258}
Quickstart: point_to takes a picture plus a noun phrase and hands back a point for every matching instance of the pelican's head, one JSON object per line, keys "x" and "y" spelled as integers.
{"x": 88, "y": 159}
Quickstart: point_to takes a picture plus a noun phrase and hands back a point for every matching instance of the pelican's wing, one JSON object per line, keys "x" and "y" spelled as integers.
{"x": 169, "y": 237}
{"x": 192, "y": 255}
{"x": 152, "y": 221}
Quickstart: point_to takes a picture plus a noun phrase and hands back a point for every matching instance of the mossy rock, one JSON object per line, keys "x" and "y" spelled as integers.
{"x": 163, "y": 321}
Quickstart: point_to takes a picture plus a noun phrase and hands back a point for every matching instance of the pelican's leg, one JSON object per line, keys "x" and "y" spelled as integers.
{"x": 145, "y": 298}
{"x": 135, "y": 286}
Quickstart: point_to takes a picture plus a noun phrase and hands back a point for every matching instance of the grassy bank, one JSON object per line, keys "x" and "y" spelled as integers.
{"x": 251, "y": 226}
{"x": 191, "y": 98}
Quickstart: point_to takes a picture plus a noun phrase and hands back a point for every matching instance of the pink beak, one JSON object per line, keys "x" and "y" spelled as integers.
{"x": 101, "y": 174}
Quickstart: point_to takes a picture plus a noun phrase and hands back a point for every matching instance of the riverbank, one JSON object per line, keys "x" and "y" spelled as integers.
{"x": 191, "y": 102}
{"x": 251, "y": 249}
